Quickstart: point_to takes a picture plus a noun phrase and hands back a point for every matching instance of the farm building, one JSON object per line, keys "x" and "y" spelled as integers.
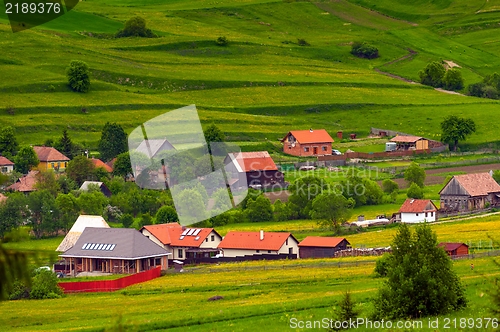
{"x": 102, "y": 187}
{"x": 306, "y": 143}
{"x": 184, "y": 243}
{"x": 455, "y": 249}
{"x": 50, "y": 158}
{"x": 6, "y": 166}
{"x": 469, "y": 192}
{"x": 321, "y": 247}
{"x": 152, "y": 147}
{"x": 410, "y": 142}
{"x": 253, "y": 169}
{"x": 241, "y": 244}
{"x": 417, "y": 210}
{"x": 99, "y": 163}
{"x": 25, "y": 184}
{"x": 114, "y": 250}
{"x": 77, "y": 229}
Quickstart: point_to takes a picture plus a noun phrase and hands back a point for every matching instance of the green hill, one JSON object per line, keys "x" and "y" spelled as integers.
{"x": 262, "y": 83}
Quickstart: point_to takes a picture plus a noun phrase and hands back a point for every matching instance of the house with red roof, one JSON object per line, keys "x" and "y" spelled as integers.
{"x": 455, "y": 249}
{"x": 25, "y": 184}
{"x": 404, "y": 142}
{"x": 417, "y": 210}
{"x": 50, "y": 158}
{"x": 182, "y": 242}
{"x": 6, "y": 166}
{"x": 99, "y": 163}
{"x": 307, "y": 143}
{"x": 245, "y": 244}
{"x": 469, "y": 192}
{"x": 252, "y": 169}
{"x": 321, "y": 247}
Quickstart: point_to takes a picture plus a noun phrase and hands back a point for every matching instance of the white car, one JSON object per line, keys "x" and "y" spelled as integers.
{"x": 336, "y": 152}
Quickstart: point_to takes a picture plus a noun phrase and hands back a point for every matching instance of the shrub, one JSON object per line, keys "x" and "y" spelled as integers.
{"x": 222, "y": 41}
{"x": 78, "y": 76}
{"x": 389, "y": 186}
{"x": 45, "y": 285}
{"x": 415, "y": 192}
{"x": 432, "y": 74}
{"x": 382, "y": 265}
{"x": 127, "y": 220}
{"x": 166, "y": 214}
{"x": 302, "y": 42}
{"x": 364, "y": 50}
{"x": 136, "y": 27}
{"x": 453, "y": 80}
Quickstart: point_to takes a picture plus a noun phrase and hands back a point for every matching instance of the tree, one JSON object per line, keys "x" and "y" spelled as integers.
{"x": 127, "y": 220}
{"x": 80, "y": 169}
{"x": 281, "y": 211}
{"x": 191, "y": 206}
{"x": 122, "y": 166}
{"x": 65, "y": 145}
{"x": 456, "y": 129}
{"x": 78, "y": 76}
{"x": 8, "y": 142}
{"x": 415, "y": 192}
{"x": 302, "y": 193}
{"x": 344, "y": 312}
{"x": 432, "y": 74}
{"x": 46, "y": 180}
{"x": 12, "y": 213}
{"x": 44, "y": 285}
{"x": 415, "y": 174}
{"x": 453, "y": 80}
{"x": 213, "y": 134}
{"x": 364, "y": 50}
{"x": 259, "y": 210}
{"x": 136, "y": 27}
{"x": 420, "y": 278}
{"x": 113, "y": 141}
{"x": 92, "y": 202}
{"x": 13, "y": 267}
{"x": 476, "y": 89}
{"x": 389, "y": 186}
{"x": 221, "y": 41}
{"x": 166, "y": 214}
{"x": 25, "y": 160}
{"x": 44, "y": 213}
{"x": 67, "y": 204}
{"x": 332, "y": 209}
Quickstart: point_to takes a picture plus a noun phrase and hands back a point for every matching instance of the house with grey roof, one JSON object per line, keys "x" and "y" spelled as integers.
{"x": 151, "y": 147}
{"x": 114, "y": 250}
{"x": 102, "y": 187}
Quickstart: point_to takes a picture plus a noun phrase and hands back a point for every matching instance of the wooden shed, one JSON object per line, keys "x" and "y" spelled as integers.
{"x": 321, "y": 247}
{"x": 455, "y": 249}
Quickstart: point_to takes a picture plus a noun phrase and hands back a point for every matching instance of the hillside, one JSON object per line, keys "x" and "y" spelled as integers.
{"x": 262, "y": 83}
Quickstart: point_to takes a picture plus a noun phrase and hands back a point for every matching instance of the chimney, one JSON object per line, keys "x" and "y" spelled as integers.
{"x": 261, "y": 235}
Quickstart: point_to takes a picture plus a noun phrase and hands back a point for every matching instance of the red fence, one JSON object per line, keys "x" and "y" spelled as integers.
{"x": 109, "y": 285}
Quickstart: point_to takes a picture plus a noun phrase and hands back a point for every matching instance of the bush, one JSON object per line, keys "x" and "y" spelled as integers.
{"x": 45, "y": 286}
{"x": 389, "y": 186}
{"x": 364, "y": 50}
{"x": 302, "y": 42}
{"x": 136, "y": 27}
{"x": 166, "y": 214}
{"x": 222, "y": 41}
{"x": 382, "y": 265}
{"x": 453, "y": 80}
{"x": 127, "y": 220}
{"x": 78, "y": 76}
{"x": 432, "y": 74}
{"x": 415, "y": 192}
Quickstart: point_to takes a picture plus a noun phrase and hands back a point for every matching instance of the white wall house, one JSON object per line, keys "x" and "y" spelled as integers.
{"x": 239, "y": 244}
{"x": 418, "y": 210}
{"x": 6, "y": 166}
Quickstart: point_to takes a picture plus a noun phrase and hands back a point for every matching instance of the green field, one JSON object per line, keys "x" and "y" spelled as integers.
{"x": 262, "y": 84}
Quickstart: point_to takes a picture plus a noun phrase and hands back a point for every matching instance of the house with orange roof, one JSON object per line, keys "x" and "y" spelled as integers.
{"x": 184, "y": 243}
{"x": 253, "y": 169}
{"x": 417, "y": 210}
{"x": 245, "y": 244}
{"x": 99, "y": 163}
{"x": 50, "y": 158}
{"x": 406, "y": 142}
{"x": 470, "y": 192}
{"x": 307, "y": 143}
{"x": 6, "y": 166}
{"x": 25, "y": 184}
{"x": 321, "y": 247}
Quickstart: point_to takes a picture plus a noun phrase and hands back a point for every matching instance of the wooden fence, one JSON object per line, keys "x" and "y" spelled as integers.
{"x": 109, "y": 285}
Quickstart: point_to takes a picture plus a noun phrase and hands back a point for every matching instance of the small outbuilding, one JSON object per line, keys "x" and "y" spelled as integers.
{"x": 455, "y": 249}
{"x": 410, "y": 143}
{"x": 321, "y": 247}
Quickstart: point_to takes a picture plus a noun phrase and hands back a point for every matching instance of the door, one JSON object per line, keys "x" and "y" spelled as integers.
{"x": 315, "y": 150}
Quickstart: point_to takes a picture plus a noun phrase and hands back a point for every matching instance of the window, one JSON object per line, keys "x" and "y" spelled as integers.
{"x": 206, "y": 240}
{"x": 306, "y": 149}
{"x": 286, "y": 242}
{"x": 269, "y": 251}
{"x": 58, "y": 165}
{"x": 212, "y": 238}
{"x": 179, "y": 253}
{"x": 52, "y": 164}
{"x": 432, "y": 214}
{"x": 426, "y": 214}
{"x": 324, "y": 148}
{"x": 416, "y": 214}
{"x": 257, "y": 251}
{"x": 65, "y": 165}
{"x": 4, "y": 169}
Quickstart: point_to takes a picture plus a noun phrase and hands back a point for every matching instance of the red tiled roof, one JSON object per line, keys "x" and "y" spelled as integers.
{"x": 48, "y": 154}
{"x": 405, "y": 139}
{"x": 417, "y": 205}
{"x": 25, "y": 183}
{"x": 450, "y": 246}
{"x": 171, "y": 234}
{"x": 111, "y": 163}
{"x": 5, "y": 162}
{"x": 321, "y": 241}
{"x": 478, "y": 184}
{"x": 251, "y": 240}
{"x": 254, "y": 161}
{"x": 310, "y": 136}
{"x": 100, "y": 163}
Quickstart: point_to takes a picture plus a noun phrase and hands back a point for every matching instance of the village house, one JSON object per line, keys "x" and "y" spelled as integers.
{"x": 307, "y": 143}
{"x": 101, "y": 185}
{"x": 114, "y": 250}
{"x": 99, "y": 163}
{"x": 6, "y": 166}
{"x": 243, "y": 244}
{"x": 253, "y": 169}
{"x": 182, "y": 242}
{"x": 50, "y": 158}
{"x": 25, "y": 184}
{"x": 152, "y": 147}
{"x": 82, "y": 222}
{"x": 410, "y": 142}
{"x": 469, "y": 192}
{"x": 321, "y": 247}
{"x": 417, "y": 210}
{"x": 455, "y": 249}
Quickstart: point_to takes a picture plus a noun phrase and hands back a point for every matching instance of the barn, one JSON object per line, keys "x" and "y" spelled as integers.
{"x": 410, "y": 143}
{"x": 455, "y": 249}
{"x": 321, "y": 247}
